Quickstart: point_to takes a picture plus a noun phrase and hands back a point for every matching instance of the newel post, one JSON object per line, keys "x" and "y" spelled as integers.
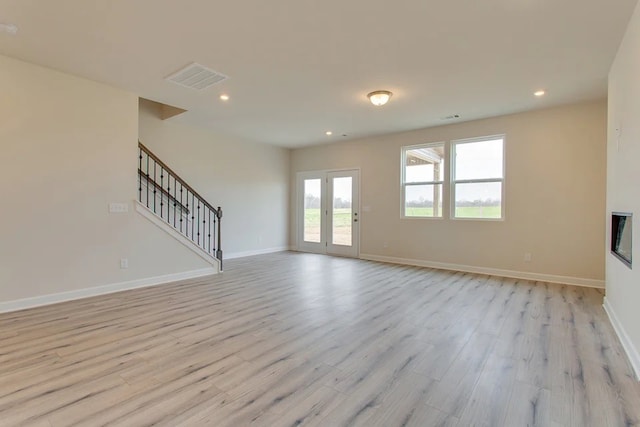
{"x": 219, "y": 251}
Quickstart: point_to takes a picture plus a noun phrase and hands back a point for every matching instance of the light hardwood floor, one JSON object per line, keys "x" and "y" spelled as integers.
{"x": 298, "y": 339}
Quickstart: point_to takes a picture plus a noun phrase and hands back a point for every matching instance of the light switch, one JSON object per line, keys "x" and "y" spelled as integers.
{"x": 118, "y": 207}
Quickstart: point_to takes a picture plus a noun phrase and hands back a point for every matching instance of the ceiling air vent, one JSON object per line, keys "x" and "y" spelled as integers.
{"x": 196, "y": 76}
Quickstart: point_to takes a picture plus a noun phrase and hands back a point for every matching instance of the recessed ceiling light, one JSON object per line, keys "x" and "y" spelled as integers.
{"x": 329, "y": 133}
{"x": 224, "y": 97}
{"x": 539, "y": 93}
{"x": 9, "y": 29}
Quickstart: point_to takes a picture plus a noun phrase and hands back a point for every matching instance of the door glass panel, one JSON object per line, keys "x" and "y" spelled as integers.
{"x": 342, "y": 211}
{"x": 312, "y": 198}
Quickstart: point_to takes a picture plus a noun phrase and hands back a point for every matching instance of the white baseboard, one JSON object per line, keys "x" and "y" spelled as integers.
{"x": 243, "y": 254}
{"x": 157, "y": 221}
{"x": 577, "y": 281}
{"x": 25, "y": 303}
{"x": 629, "y": 348}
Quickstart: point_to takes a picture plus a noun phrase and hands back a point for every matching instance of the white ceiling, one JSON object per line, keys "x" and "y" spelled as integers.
{"x": 298, "y": 68}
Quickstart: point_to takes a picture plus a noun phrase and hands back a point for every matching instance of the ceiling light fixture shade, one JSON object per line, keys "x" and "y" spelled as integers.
{"x": 379, "y": 97}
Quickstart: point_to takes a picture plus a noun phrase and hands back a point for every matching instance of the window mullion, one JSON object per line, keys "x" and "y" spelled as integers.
{"x": 423, "y": 183}
{"x": 477, "y": 181}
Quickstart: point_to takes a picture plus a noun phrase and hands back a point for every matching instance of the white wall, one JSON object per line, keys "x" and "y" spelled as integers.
{"x": 69, "y": 148}
{"x": 555, "y": 196}
{"x": 249, "y": 181}
{"x": 623, "y": 186}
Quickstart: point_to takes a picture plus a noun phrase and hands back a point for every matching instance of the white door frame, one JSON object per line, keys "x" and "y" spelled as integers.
{"x": 337, "y": 249}
{"x": 323, "y": 246}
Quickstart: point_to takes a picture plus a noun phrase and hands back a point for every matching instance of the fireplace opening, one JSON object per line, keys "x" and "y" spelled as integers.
{"x": 621, "y": 246}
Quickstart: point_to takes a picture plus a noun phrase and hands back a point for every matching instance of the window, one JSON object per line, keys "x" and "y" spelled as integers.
{"x": 475, "y": 186}
{"x": 477, "y": 178}
{"x": 422, "y": 179}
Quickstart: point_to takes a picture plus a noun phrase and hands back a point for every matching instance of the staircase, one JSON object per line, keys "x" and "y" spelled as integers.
{"x": 178, "y": 205}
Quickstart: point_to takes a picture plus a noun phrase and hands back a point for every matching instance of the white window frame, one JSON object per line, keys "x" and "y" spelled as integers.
{"x": 404, "y": 184}
{"x": 453, "y": 181}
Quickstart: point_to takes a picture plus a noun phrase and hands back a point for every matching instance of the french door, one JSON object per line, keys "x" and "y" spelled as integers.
{"x": 328, "y": 216}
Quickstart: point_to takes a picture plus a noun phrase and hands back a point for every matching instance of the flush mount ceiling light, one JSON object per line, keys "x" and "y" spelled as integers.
{"x": 224, "y": 97}
{"x": 379, "y": 97}
{"x": 329, "y": 133}
{"x": 539, "y": 93}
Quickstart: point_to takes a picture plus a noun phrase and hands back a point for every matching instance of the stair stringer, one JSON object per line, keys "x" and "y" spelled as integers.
{"x": 169, "y": 229}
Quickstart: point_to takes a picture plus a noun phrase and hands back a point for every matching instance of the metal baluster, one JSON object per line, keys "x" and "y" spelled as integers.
{"x": 175, "y": 201}
{"x": 204, "y": 226}
{"x": 209, "y": 232}
{"x": 161, "y": 190}
{"x": 198, "y": 222}
{"x": 181, "y": 207}
{"x": 155, "y": 188}
{"x": 219, "y": 251}
{"x": 192, "y": 216}
{"x": 168, "y": 197}
{"x": 140, "y": 175}
{"x": 147, "y": 180}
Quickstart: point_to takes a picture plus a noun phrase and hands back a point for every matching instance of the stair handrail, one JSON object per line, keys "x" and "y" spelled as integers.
{"x": 183, "y": 185}
{"x": 179, "y": 179}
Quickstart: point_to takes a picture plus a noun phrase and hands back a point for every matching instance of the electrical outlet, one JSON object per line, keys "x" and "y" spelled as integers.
{"x": 124, "y": 263}
{"x": 527, "y": 257}
{"x": 385, "y": 245}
